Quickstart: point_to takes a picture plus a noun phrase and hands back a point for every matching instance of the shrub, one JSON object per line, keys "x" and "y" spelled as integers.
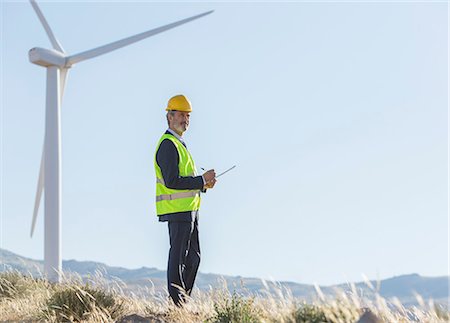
{"x": 235, "y": 310}
{"x": 442, "y": 313}
{"x": 77, "y": 303}
{"x": 13, "y": 284}
{"x": 310, "y": 314}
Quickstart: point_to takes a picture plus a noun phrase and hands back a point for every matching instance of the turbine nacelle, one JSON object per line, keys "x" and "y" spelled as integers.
{"x": 47, "y": 57}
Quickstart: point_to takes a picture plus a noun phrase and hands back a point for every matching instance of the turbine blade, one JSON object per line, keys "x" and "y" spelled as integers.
{"x": 40, "y": 188}
{"x": 62, "y": 82}
{"x": 53, "y": 40}
{"x": 129, "y": 40}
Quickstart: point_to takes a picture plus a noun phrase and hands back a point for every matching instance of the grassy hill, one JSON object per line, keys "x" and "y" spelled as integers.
{"x": 137, "y": 281}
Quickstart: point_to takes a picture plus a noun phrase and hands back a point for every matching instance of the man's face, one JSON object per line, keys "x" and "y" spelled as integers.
{"x": 179, "y": 121}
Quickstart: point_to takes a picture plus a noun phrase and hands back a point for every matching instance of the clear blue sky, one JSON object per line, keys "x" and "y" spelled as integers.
{"x": 336, "y": 115}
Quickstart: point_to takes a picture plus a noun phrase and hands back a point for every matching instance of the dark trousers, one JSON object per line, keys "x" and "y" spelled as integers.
{"x": 184, "y": 259}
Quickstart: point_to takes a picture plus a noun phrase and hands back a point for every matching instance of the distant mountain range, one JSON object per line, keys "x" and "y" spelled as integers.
{"x": 138, "y": 281}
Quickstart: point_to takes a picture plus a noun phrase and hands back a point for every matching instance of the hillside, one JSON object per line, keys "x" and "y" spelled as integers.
{"x": 403, "y": 287}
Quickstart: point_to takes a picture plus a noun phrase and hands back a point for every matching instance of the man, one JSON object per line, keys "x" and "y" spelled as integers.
{"x": 178, "y": 199}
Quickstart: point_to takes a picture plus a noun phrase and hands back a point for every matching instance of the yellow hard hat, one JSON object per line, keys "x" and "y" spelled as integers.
{"x": 179, "y": 103}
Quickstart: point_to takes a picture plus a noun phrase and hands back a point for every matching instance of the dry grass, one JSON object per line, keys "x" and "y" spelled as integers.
{"x": 26, "y": 298}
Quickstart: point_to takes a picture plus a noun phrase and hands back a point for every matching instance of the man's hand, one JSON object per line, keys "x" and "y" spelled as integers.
{"x": 209, "y": 175}
{"x": 210, "y": 178}
{"x": 210, "y": 184}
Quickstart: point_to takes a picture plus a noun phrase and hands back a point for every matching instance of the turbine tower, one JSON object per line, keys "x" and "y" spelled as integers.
{"x": 58, "y": 63}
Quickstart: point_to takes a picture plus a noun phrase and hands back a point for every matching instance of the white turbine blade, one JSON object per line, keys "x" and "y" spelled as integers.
{"x": 62, "y": 81}
{"x": 53, "y": 40}
{"x": 40, "y": 188}
{"x": 127, "y": 41}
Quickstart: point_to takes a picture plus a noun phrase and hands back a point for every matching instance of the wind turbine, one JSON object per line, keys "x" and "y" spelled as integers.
{"x": 58, "y": 62}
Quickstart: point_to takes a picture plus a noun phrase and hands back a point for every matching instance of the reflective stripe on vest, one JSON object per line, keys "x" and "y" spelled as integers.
{"x": 175, "y": 196}
{"x": 161, "y": 180}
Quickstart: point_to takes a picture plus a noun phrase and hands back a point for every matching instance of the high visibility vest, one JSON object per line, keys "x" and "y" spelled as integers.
{"x": 169, "y": 200}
